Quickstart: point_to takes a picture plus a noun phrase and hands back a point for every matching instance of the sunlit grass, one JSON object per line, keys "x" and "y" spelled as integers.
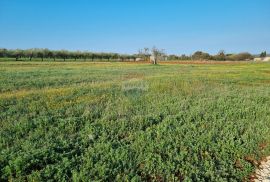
{"x": 128, "y": 121}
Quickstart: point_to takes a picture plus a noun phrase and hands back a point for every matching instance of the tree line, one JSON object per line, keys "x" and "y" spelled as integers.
{"x": 42, "y": 54}
{"x": 142, "y": 55}
{"x": 221, "y": 56}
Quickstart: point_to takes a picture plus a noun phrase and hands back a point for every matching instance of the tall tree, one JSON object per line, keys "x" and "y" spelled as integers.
{"x": 3, "y": 53}
{"x": 40, "y": 54}
{"x": 199, "y": 55}
{"x": 156, "y": 54}
{"x": 263, "y": 54}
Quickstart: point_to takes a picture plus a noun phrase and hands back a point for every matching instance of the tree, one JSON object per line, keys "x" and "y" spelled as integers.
{"x": 29, "y": 54}
{"x": 17, "y": 54}
{"x": 75, "y": 55}
{"x": 156, "y": 54}
{"x": 263, "y": 54}
{"x": 199, "y": 55}
{"x": 185, "y": 57}
{"x": 221, "y": 56}
{"x": 124, "y": 57}
{"x": 63, "y": 54}
{"x": 40, "y": 54}
{"x": 240, "y": 57}
{"x": 3, "y": 53}
{"x": 144, "y": 53}
{"x": 93, "y": 56}
{"x": 106, "y": 56}
{"x": 173, "y": 57}
{"x": 51, "y": 54}
{"x": 46, "y": 53}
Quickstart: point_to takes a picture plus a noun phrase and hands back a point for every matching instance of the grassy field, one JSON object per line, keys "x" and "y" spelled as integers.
{"x": 133, "y": 122}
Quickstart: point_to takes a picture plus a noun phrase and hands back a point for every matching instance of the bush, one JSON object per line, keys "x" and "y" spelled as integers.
{"x": 199, "y": 55}
{"x": 240, "y": 57}
{"x": 220, "y": 56}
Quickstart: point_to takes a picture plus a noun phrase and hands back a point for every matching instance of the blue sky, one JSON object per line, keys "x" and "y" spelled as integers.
{"x": 124, "y": 26}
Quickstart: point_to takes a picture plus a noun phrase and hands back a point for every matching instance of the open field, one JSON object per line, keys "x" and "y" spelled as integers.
{"x": 87, "y": 121}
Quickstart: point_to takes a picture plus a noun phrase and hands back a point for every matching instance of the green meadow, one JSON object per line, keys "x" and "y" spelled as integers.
{"x": 83, "y": 121}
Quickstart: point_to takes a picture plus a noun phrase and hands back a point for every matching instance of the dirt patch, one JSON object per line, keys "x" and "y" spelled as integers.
{"x": 262, "y": 174}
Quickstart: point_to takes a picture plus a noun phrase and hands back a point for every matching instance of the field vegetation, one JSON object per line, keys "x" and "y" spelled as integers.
{"x": 90, "y": 121}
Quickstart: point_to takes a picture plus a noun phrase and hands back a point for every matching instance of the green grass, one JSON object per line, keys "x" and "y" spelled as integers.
{"x": 132, "y": 122}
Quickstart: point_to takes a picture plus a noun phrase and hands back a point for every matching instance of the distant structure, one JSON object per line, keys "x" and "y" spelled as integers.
{"x": 139, "y": 59}
{"x": 265, "y": 59}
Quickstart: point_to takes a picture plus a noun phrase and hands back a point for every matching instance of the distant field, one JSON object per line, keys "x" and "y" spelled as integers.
{"x": 86, "y": 121}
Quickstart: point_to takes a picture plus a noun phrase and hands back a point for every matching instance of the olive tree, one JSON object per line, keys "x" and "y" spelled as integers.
{"x": 156, "y": 54}
{"x": 17, "y": 54}
{"x": 40, "y": 54}
{"x": 199, "y": 55}
{"x": 144, "y": 53}
{"x": 3, "y": 52}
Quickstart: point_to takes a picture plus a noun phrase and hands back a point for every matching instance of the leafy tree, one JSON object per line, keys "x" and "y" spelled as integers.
{"x": 51, "y": 54}
{"x": 173, "y": 57}
{"x": 29, "y": 53}
{"x": 199, "y": 55}
{"x": 3, "y": 53}
{"x": 46, "y": 53}
{"x": 106, "y": 56}
{"x": 17, "y": 54}
{"x": 114, "y": 56}
{"x": 40, "y": 54}
{"x": 63, "y": 54}
{"x": 93, "y": 56}
{"x": 221, "y": 56}
{"x": 245, "y": 56}
{"x": 263, "y": 54}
